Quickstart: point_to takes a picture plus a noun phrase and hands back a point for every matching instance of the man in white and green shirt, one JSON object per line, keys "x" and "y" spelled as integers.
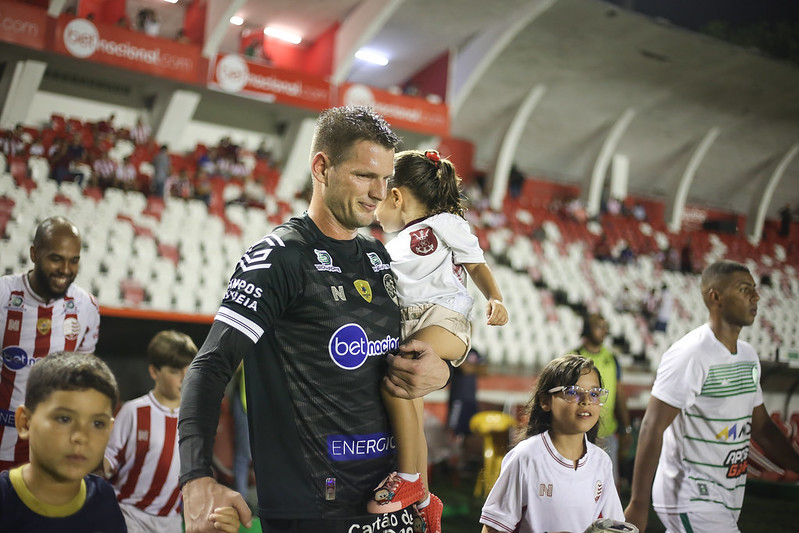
{"x": 706, "y": 404}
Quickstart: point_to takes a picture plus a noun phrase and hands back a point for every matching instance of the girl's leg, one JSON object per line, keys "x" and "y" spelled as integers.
{"x": 404, "y": 425}
{"x": 447, "y": 346}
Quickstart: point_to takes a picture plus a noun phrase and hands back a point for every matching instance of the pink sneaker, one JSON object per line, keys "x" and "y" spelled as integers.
{"x": 395, "y": 493}
{"x": 430, "y": 516}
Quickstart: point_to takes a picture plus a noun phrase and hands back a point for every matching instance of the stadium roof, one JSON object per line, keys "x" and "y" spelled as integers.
{"x": 594, "y": 62}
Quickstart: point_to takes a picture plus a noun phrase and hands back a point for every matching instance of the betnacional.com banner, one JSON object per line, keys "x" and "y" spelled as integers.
{"x": 127, "y": 49}
{"x": 234, "y": 74}
{"x": 23, "y": 25}
{"x": 401, "y": 111}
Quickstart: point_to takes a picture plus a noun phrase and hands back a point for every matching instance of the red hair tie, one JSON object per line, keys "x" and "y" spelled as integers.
{"x": 433, "y": 156}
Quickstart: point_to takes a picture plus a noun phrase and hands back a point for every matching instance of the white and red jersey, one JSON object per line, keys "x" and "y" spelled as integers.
{"x": 539, "y": 490}
{"x": 427, "y": 257}
{"x": 31, "y": 329}
{"x": 143, "y": 454}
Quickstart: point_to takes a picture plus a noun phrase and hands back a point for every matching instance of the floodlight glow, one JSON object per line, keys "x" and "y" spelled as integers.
{"x": 371, "y": 57}
{"x": 283, "y": 35}
{"x": 236, "y": 20}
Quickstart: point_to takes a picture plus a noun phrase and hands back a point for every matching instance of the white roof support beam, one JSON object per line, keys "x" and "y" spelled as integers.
{"x": 357, "y": 29}
{"x": 757, "y": 213}
{"x": 56, "y": 7}
{"x": 675, "y": 202}
{"x": 472, "y": 61}
{"x": 217, "y": 23}
{"x": 296, "y": 174}
{"x": 25, "y": 80}
{"x": 177, "y": 114}
{"x": 593, "y": 198}
{"x": 498, "y": 184}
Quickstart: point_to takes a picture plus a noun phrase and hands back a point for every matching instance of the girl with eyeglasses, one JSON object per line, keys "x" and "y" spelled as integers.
{"x": 556, "y": 478}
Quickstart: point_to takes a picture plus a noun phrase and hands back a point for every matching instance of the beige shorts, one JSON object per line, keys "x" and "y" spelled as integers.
{"x": 139, "y": 521}
{"x": 418, "y": 317}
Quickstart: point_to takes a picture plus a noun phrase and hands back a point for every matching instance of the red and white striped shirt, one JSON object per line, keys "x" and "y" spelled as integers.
{"x": 143, "y": 454}
{"x": 32, "y": 329}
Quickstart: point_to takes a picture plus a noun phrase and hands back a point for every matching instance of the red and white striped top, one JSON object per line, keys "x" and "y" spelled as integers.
{"x": 143, "y": 454}
{"x": 32, "y": 329}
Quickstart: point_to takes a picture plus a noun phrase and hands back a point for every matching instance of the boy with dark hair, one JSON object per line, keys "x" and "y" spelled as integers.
{"x": 141, "y": 459}
{"x": 66, "y": 419}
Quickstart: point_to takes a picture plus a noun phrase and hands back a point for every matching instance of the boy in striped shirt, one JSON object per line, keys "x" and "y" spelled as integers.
{"x": 141, "y": 459}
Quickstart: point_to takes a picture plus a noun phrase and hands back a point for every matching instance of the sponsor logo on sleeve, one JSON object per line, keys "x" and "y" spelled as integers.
{"x": 377, "y": 263}
{"x": 423, "y": 241}
{"x": 391, "y": 287}
{"x": 325, "y": 262}
{"x": 243, "y": 293}
{"x": 71, "y": 328}
{"x": 349, "y": 347}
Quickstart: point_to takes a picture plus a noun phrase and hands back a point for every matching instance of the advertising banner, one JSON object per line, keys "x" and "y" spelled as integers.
{"x": 127, "y": 49}
{"x": 403, "y": 112}
{"x": 23, "y": 24}
{"x": 234, "y": 74}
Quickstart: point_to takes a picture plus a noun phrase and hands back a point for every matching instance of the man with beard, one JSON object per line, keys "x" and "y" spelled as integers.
{"x": 41, "y": 312}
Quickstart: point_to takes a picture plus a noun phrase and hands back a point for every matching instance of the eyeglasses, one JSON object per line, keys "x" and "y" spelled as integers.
{"x": 574, "y": 394}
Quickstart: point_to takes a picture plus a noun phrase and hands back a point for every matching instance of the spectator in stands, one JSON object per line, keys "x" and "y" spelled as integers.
{"x": 515, "y": 181}
{"x": 626, "y": 254}
{"x": 262, "y": 153}
{"x": 181, "y": 37}
{"x": 178, "y": 186}
{"x": 639, "y": 212}
{"x": 105, "y": 171}
{"x": 162, "y": 167}
{"x": 706, "y": 404}
{"x": 42, "y": 312}
{"x": 687, "y": 258}
{"x": 81, "y": 170}
{"x": 140, "y": 135}
{"x": 615, "y": 430}
{"x": 145, "y": 434}
{"x": 664, "y": 308}
{"x": 602, "y": 251}
{"x": 650, "y": 306}
{"x": 126, "y": 175}
{"x": 59, "y": 160}
{"x": 11, "y": 144}
{"x": 786, "y": 217}
{"x": 625, "y": 303}
{"x": 202, "y": 187}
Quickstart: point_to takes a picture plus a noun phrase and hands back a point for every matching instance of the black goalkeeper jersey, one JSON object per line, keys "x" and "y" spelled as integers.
{"x": 322, "y": 314}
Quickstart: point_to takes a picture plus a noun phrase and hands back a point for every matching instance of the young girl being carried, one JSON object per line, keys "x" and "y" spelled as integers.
{"x": 430, "y": 257}
{"x": 556, "y": 479}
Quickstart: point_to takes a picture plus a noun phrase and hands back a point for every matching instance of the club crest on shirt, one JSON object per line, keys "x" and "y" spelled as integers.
{"x": 377, "y": 263}
{"x": 43, "y": 326}
{"x": 325, "y": 262}
{"x": 71, "y": 328}
{"x": 423, "y": 241}
{"x": 69, "y": 305}
{"x": 597, "y": 490}
{"x": 364, "y": 289}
